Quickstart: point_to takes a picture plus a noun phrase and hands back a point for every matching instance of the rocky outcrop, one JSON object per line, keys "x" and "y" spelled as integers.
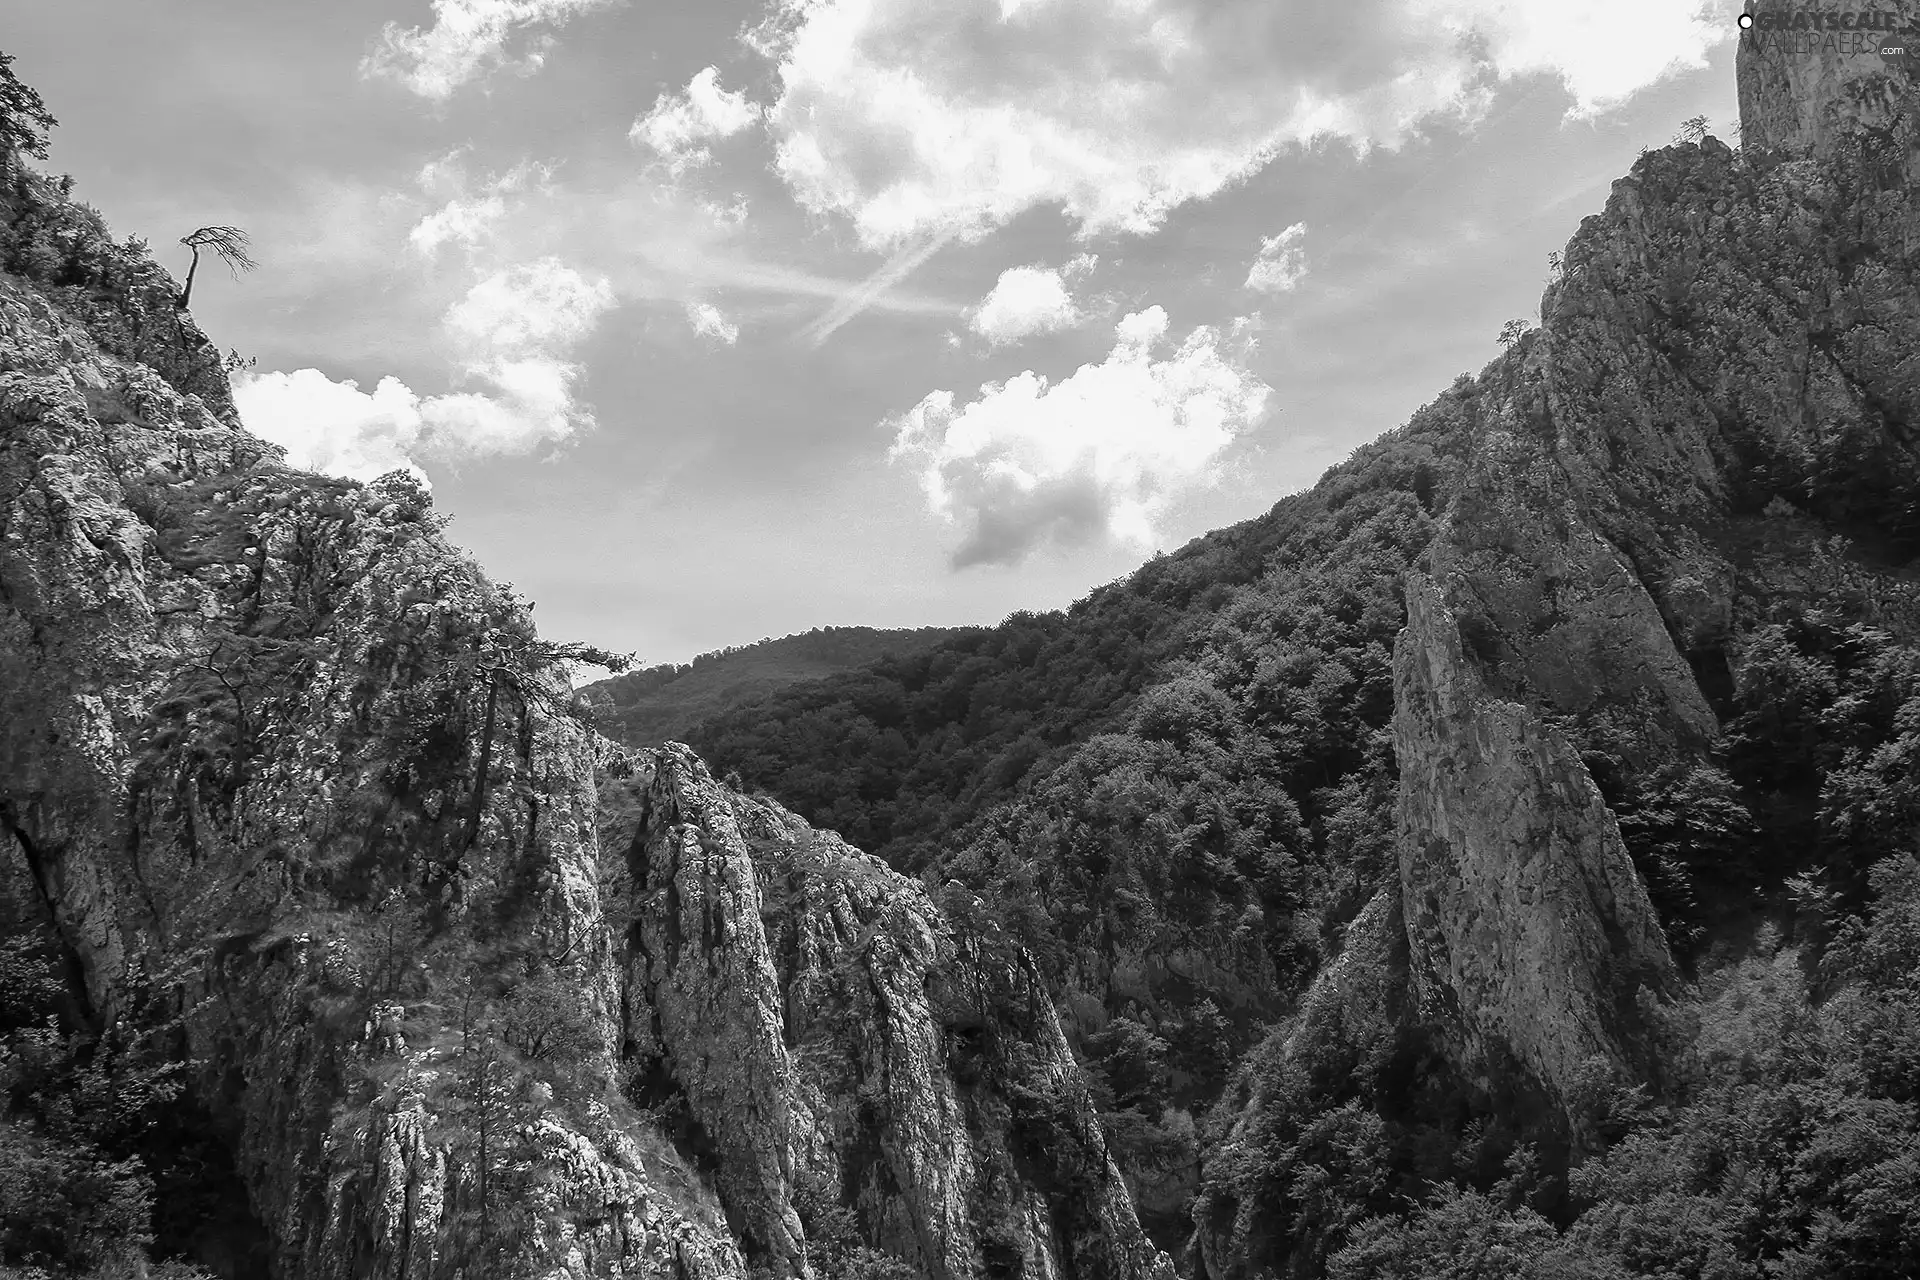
{"x": 1712, "y": 424}
{"x": 835, "y": 1036}
{"x": 242, "y": 735}
{"x": 704, "y": 1004}
{"x": 1530, "y": 933}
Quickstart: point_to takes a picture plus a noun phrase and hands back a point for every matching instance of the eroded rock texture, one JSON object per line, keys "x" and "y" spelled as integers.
{"x": 241, "y": 733}
{"x": 1526, "y": 921}
{"x": 292, "y": 777}
{"x": 837, "y": 1037}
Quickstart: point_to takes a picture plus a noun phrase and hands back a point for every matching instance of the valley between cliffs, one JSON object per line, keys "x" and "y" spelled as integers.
{"x": 1359, "y": 927}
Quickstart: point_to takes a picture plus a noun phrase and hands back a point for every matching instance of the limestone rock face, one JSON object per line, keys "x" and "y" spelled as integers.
{"x": 1807, "y": 91}
{"x": 1528, "y": 928}
{"x": 705, "y": 997}
{"x": 239, "y": 744}
{"x": 1731, "y": 339}
{"x": 1734, "y": 331}
{"x": 835, "y": 1034}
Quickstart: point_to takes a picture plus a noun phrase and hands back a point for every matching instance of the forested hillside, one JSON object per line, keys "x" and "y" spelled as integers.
{"x": 661, "y": 703}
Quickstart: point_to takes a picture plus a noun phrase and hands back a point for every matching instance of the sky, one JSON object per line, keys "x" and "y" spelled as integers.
{"x": 716, "y": 321}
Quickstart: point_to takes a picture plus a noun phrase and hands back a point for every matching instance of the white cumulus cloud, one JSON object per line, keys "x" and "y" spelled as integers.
{"x": 333, "y": 426}
{"x": 467, "y": 39}
{"x": 709, "y": 323}
{"x": 511, "y": 333}
{"x": 680, "y": 125}
{"x": 1097, "y": 454}
{"x": 1281, "y": 262}
{"x": 1028, "y": 300}
{"x": 918, "y": 119}
{"x": 469, "y": 217}
{"x": 459, "y": 221}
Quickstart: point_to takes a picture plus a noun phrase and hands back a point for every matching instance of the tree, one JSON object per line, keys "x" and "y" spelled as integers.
{"x": 513, "y": 662}
{"x": 485, "y": 1082}
{"x": 229, "y": 244}
{"x": 24, "y": 119}
{"x": 1512, "y": 331}
{"x": 1693, "y": 129}
{"x": 405, "y": 488}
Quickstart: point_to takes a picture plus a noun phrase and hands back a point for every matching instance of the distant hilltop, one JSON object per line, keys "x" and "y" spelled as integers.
{"x": 662, "y": 703}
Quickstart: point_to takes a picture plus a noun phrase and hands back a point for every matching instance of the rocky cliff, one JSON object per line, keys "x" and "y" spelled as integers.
{"x": 305, "y": 801}
{"x": 1526, "y": 922}
{"x": 834, "y": 1035}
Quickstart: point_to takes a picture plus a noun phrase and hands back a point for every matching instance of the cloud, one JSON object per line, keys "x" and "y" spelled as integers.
{"x": 532, "y": 308}
{"x": 331, "y": 426}
{"x": 1095, "y": 455}
{"x": 919, "y": 120}
{"x": 459, "y": 221}
{"x": 1028, "y": 300}
{"x": 709, "y": 323}
{"x": 467, "y": 39}
{"x": 1281, "y": 263}
{"x": 872, "y": 291}
{"x": 679, "y": 126}
{"x": 730, "y": 216}
{"x": 469, "y": 218}
{"x": 511, "y": 334}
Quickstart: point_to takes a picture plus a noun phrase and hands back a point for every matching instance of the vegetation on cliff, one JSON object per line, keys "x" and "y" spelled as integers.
{"x": 660, "y": 703}
{"x": 1498, "y": 861}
